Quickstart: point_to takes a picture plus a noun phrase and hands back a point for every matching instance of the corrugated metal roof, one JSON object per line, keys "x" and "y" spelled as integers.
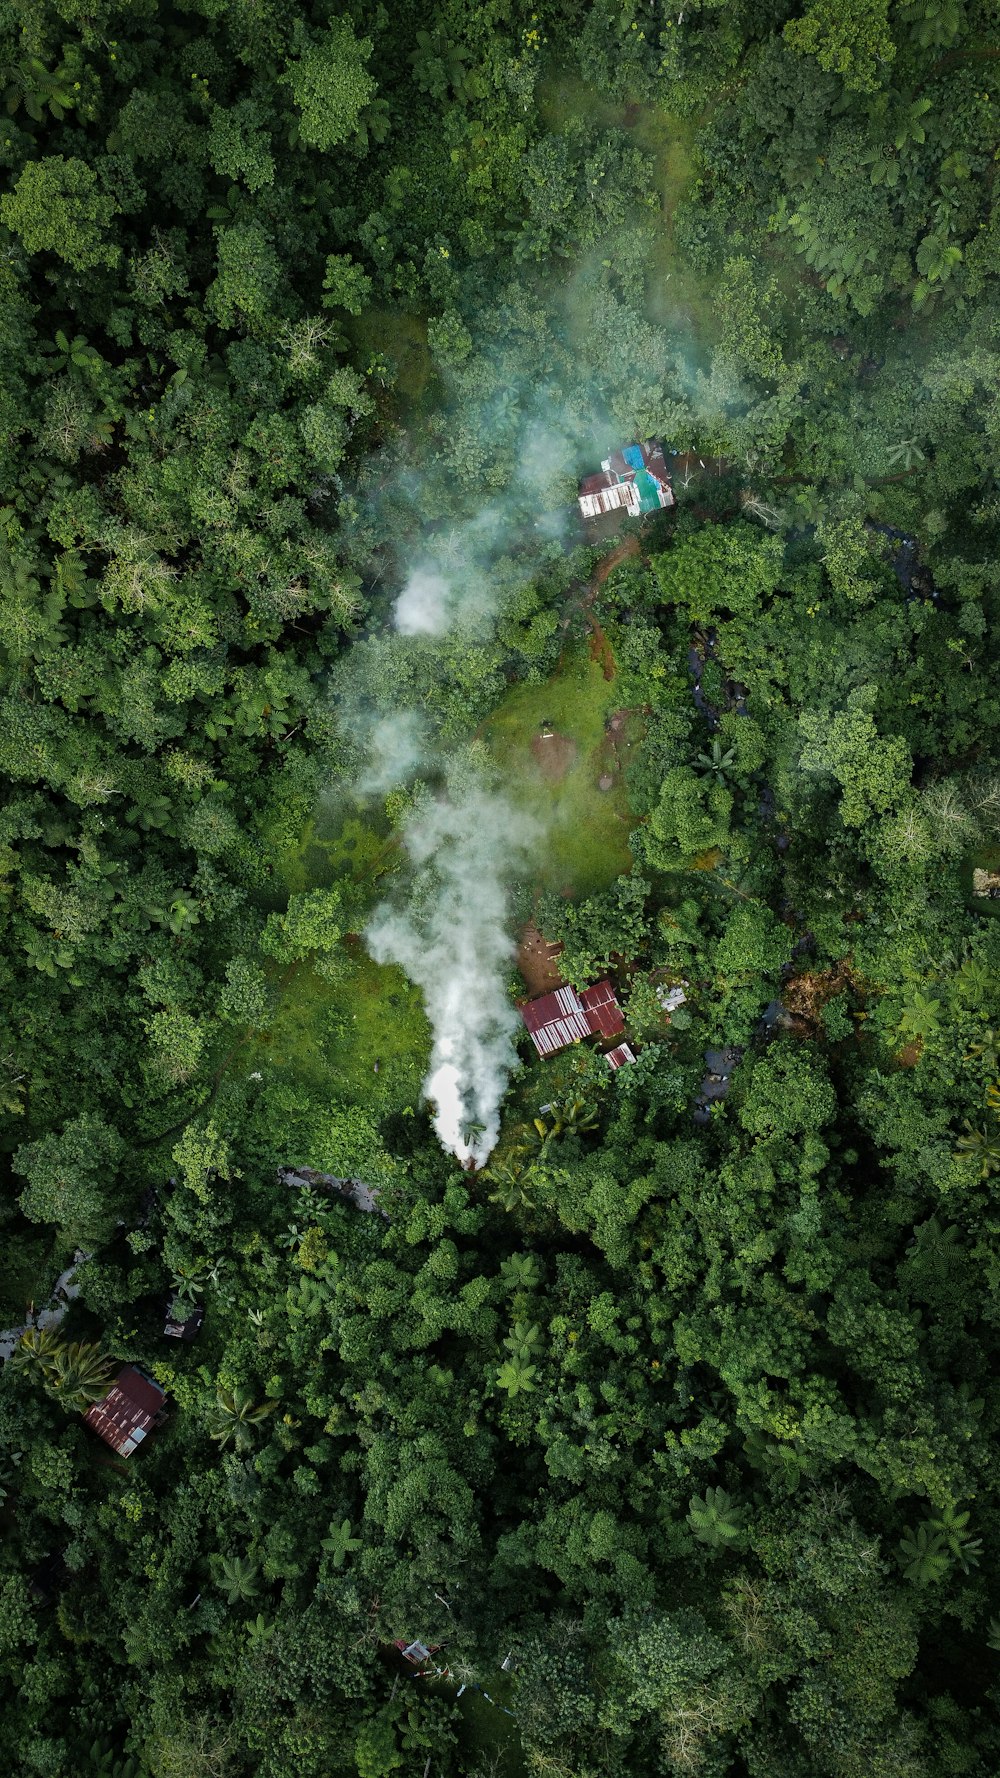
{"x": 550, "y": 1006}
{"x": 127, "y": 1411}
{"x": 555, "y": 1020}
{"x": 617, "y": 1058}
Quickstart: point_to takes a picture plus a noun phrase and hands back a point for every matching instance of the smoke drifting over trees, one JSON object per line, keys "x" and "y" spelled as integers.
{"x": 451, "y": 936}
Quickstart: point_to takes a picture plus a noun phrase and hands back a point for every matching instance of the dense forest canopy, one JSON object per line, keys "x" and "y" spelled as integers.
{"x": 658, "y": 1407}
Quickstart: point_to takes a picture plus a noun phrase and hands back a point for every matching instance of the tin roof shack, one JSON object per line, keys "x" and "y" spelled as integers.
{"x": 558, "y": 1019}
{"x": 635, "y": 479}
{"x": 618, "y": 1057}
{"x": 133, "y": 1405}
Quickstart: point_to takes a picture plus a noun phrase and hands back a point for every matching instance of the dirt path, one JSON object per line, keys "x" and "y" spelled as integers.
{"x": 608, "y": 564}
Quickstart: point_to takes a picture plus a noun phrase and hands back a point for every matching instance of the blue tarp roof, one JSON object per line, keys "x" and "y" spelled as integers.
{"x": 633, "y": 456}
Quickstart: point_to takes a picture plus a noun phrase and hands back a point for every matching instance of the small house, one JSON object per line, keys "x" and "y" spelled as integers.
{"x": 563, "y": 1017}
{"x": 618, "y": 1057}
{"x": 634, "y": 479}
{"x": 133, "y": 1405}
{"x": 183, "y": 1320}
{"x": 416, "y": 1652}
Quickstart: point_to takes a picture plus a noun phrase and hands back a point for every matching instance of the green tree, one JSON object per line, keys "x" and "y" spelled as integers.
{"x": 330, "y": 84}
{"x": 73, "y": 1178}
{"x": 57, "y": 206}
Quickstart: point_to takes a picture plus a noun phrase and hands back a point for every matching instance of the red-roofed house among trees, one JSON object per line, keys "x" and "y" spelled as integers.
{"x": 635, "y": 478}
{"x": 565, "y": 1016}
{"x": 133, "y": 1405}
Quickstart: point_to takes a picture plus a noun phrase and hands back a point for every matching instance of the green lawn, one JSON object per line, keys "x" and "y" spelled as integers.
{"x": 329, "y": 1035}
{"x": 585, "y": 844}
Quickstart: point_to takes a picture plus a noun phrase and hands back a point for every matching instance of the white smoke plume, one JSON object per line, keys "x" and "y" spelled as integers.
{"x": 452, "y": 938}
{"x": 394, "y": 747}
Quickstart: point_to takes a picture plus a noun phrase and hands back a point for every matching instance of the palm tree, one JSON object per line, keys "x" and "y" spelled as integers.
{"x": 718, "y": 761}
{"x": 984, "y": 1146}
{"x": 715, "y": 1519}
{"x": 76, "y": 1375}
{"x": 233, "y": 1415}
{"x": 951, "y": 1525}
{"x": 923, "y": 1556}
{"x": 238, "y": 1579}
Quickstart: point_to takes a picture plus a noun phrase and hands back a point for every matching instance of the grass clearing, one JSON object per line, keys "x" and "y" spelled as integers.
{"x": 399, "y": 338}
{"x": 585, "y": 843}
{"x": 330, "y": 1034}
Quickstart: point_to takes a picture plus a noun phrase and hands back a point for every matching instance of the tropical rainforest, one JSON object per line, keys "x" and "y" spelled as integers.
{"x": 653, "y": 1410}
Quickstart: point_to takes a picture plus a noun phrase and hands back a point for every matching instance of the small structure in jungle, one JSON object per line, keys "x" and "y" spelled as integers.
{"x": 634, "y": 479}
{"x": 563, "y": 1017}
{"x": 132, "y": 1407}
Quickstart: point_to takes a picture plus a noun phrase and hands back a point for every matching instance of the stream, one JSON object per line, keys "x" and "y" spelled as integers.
{"x": 61, "y": 1295}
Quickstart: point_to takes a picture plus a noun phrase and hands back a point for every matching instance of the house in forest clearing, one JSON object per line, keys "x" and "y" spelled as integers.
{"x": 634, "y": 478}
{"x": 565, "y": 1016}
{"x": 133, "y": 1405}
{"x": 183, "y": 1320}
{"x": 417, "y": 1653}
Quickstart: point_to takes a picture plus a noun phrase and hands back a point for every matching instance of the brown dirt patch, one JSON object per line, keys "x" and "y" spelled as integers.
{"x": 553, "y": 754}
{"x": 536, "y": 959}
{"x": 808, "y": 993}
{"x": 910, "y": 1056}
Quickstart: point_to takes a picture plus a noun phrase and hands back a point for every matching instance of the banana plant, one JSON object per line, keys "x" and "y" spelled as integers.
{"x": 983, "y": 1146}
{"x": 718, "y": 762}
{"x": 924, "y": 1556}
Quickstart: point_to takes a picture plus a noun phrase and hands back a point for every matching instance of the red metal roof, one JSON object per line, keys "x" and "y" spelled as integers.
{"x": 617, "y": 1058}
{"x": 555, "y": 1020}
{"x": 602, "y": 1009}
{"x": 127, "y": 1412}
